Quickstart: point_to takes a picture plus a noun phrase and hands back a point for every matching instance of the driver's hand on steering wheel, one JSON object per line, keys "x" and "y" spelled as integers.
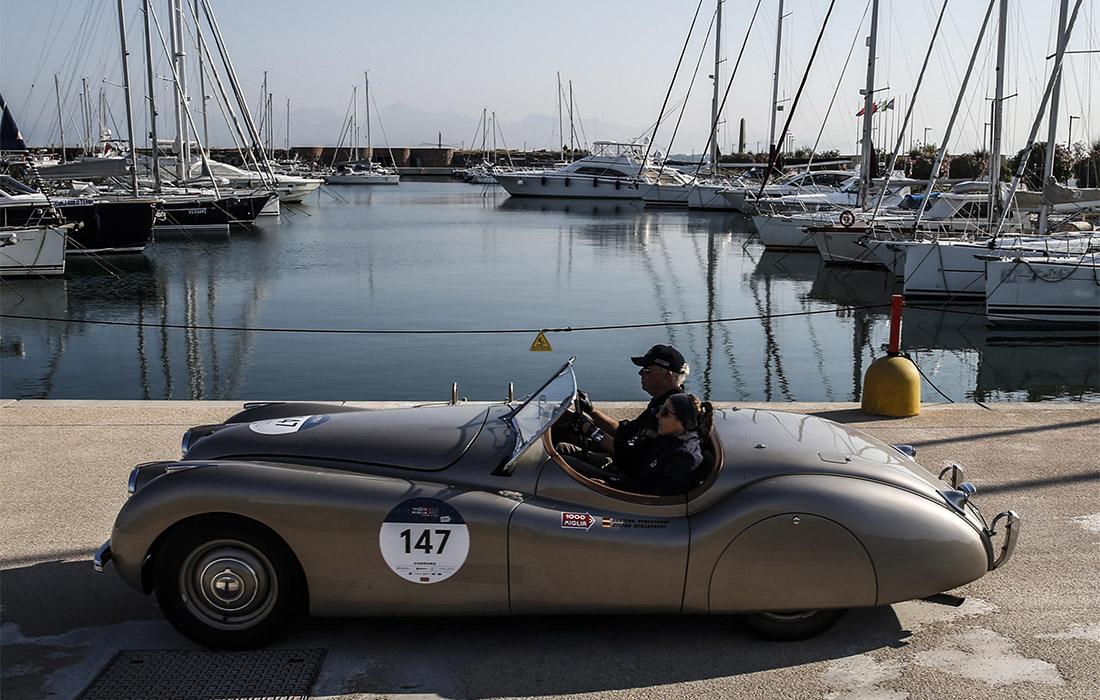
{"x": 584, "y": 403}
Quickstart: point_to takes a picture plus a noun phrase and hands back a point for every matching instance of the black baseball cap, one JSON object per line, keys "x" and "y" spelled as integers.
{"x": 664, "y": 356}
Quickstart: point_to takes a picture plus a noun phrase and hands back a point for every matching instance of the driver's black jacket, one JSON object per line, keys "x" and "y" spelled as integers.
{"x": 635, "y": 440}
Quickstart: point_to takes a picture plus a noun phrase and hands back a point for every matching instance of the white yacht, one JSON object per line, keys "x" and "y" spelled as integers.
{"x": 292, "y": 189}
{"x": 746, "y": 197}
{"x": 362, "y": 174}
{"x": 612, "y": 171}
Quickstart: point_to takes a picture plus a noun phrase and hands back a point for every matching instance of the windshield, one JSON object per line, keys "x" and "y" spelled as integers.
{"x": 531, "y": 419}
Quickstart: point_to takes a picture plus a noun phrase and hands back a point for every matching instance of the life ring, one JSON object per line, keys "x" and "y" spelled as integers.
{"x": 847, "y": 218}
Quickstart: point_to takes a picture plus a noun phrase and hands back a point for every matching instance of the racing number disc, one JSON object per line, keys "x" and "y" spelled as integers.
{"x": 424, "y": 540}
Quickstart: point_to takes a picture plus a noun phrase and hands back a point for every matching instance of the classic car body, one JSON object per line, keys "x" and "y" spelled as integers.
{"x": 469, "y": 510}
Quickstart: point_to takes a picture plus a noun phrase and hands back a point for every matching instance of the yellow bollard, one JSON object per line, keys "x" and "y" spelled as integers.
{"x": 891, "y": 385}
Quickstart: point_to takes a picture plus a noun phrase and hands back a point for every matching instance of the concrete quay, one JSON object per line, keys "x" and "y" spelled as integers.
{"x": 1029, "y": 630}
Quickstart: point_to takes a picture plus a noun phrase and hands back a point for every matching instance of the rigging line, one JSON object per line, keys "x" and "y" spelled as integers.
{"x": 908, "y": 113}
{"x": 836, "y": 90}
{"x": 794, "y": 104}
{"x": 668, "y": 94}
{"x": 499, "y": 331}
{"x": 733, "y": 74}
{"x": 925, "y": 378}
{"x": 684, "y": 103}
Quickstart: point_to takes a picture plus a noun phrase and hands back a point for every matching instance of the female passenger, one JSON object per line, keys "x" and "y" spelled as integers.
{"x": 674, "y": 466}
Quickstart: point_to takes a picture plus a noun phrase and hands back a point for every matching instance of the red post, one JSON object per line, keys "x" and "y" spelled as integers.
{"x": 895, "y": 324}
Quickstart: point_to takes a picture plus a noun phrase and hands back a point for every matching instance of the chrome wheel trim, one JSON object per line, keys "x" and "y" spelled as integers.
{"x": 228, "y": 584}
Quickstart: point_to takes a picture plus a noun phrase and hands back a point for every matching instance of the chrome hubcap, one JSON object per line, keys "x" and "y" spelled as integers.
{"x": 229, "y": 584}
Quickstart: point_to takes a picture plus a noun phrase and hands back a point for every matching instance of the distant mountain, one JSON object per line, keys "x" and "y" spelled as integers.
{"x": 404, "y": 127}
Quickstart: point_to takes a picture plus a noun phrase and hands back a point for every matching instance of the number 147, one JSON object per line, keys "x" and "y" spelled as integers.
{"x": 424, "y": 541}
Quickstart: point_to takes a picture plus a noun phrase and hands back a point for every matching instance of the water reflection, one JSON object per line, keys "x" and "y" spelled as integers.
{"x": 574, "y": 205}
{"x": 755, "y": 325}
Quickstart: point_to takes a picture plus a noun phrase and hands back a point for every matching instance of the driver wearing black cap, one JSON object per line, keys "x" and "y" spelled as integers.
{"x": 628, "y": 443}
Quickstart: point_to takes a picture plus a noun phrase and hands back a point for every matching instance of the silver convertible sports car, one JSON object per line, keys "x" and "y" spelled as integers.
{"x": 468, "y": 509}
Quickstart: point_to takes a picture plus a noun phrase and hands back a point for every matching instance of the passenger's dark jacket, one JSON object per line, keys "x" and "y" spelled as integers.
{"x": 636, "y": 439}
{"x": 672, "y": 468}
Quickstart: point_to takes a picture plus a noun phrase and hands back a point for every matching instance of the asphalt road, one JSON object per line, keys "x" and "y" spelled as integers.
{"x": 1029, "y": 630}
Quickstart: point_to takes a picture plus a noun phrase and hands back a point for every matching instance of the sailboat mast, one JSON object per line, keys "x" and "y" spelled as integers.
{"x": 366, "y": 101}
{"x": 126, "y": 90}
{"x": 714, "y": 101}
{"x": 60, "y": 120}
{"x": 996, "y": 203}
{"x": 572, "y": 129}
{"x": 178, "y": 54}
{"x": 202, "y": 79}
{"x": 775, "y": 78}
{"x": 151, "y": 98}
{"x": 561, "y": 133}
{"x": 867, "y": 147}
{"x": 1052, "y": 131}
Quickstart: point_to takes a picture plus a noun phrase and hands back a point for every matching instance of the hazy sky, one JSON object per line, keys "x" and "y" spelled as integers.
{"x": 464, "y": 56}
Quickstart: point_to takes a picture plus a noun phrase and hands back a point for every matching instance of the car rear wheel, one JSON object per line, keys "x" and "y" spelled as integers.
{"x": 226, "y": 584}
{"x": 789, "y": 626}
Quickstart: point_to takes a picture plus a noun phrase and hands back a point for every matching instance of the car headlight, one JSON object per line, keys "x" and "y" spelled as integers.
{"x": 142, "y": 474}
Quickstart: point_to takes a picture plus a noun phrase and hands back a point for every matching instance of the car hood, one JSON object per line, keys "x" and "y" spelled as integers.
{"x": 424, "y": 438}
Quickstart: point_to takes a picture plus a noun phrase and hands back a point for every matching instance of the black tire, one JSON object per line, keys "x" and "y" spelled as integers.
{"x": 226, "y": 583}
{"x": 788, "y": 626}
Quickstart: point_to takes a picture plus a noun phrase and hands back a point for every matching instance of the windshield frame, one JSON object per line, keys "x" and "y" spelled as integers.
{"x": 540, "y": 409}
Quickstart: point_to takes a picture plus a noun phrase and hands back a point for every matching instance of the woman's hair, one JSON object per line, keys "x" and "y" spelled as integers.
{"x": 692, "y": 413}
{"x": 704, "y": 411}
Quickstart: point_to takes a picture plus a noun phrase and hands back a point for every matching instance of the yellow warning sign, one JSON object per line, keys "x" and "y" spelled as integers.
{"x": 541, "y": 344}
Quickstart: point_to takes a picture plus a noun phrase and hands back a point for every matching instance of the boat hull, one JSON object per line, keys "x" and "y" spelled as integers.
{"x": 37, "y": 251}
{"x": 571, "y": 186}
{"x": 210, "y": 214}
{"x": 1028, "y": 291}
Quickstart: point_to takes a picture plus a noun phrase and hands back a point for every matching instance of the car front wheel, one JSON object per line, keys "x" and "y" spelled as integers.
{"x": 789, "y": 626}
{"x": 225, "y": 584}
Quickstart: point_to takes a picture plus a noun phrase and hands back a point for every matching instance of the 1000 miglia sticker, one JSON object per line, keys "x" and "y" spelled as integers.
{"x": 424, "y": 540}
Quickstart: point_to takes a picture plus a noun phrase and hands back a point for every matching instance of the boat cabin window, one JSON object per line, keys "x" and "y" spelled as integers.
{"x": 599, "y": 172}
{"x": 13, "y": 187}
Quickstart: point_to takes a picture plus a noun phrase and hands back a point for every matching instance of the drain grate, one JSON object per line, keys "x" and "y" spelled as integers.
{"x": 166, "y": 674}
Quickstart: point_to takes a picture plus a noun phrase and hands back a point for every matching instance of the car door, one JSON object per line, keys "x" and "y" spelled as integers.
{"x": 573, "y": 549}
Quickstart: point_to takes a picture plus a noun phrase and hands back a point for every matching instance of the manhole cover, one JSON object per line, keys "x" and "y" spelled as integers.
{"x": 167, "y": 674}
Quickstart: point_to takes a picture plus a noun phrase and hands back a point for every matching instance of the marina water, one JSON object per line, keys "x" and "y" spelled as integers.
{"x": 396, "y": 293}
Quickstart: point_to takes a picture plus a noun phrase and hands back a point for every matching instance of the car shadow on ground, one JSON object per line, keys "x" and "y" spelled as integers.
{"x": 450, "y": 657}
{"x": 565, "y": 655}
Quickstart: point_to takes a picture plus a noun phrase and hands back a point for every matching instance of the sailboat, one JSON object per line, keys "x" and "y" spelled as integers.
{"x": 1024, "y": 289}
{"x": 356, "y": 172}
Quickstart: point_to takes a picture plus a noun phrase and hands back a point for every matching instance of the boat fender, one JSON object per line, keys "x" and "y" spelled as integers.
{"x": 544, "y": 181}
{"x": 595, "y": 182}
{"x": 617, "y": 184}
{"x": 567, "y": 182}
{"x": 519, "y": 182}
